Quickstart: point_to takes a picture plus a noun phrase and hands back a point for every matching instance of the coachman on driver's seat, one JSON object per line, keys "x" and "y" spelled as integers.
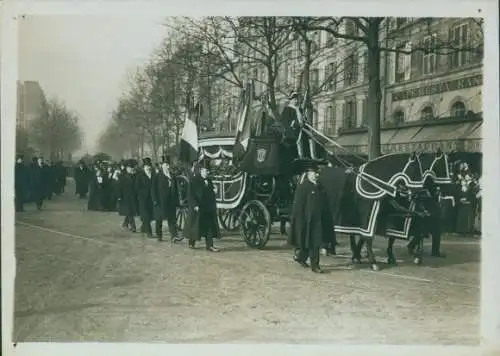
{"x": 293, "y": 118}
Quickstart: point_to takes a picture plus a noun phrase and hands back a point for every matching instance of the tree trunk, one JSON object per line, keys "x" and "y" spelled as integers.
{"x": 374, "y": 90}
{"x": 307, "y": 77}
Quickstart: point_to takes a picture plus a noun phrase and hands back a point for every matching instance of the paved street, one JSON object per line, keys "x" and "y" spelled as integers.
{"x": 80, "y": 277}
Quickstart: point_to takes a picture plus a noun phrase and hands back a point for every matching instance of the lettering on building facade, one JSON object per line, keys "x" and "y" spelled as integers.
{"x": 438, "y": 88}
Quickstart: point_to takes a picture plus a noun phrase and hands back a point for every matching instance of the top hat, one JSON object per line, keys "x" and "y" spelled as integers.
{"x": 308, "y": 165}
{"x": 131, "y": 163}
{"x": 165, "y": 159}
{"x": 147, "y": 162}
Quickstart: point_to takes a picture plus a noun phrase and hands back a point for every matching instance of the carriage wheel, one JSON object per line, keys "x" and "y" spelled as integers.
{"x": 180, "y": 218}
{"x": 255, "y": 224}
{"x": 229, "y": 219}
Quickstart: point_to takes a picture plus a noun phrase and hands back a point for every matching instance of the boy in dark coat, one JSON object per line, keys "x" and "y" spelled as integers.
{"x": 202, "y": 211}
{"x": 21, "y": 183}
{"x": 165, "y": 200}
{"x": 127, "y": 197}
{"x": 308, "y": 221}
{"x": 144, "y": 183}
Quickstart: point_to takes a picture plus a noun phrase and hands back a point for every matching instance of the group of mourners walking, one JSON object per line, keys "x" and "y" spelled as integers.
{"x": 37, "y": 181}
{"x": 150, "y": 192}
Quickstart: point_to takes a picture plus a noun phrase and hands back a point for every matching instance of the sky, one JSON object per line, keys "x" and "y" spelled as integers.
{"x": 85, "y": 61}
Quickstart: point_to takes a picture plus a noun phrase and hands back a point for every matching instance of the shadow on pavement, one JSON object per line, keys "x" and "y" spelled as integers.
{"x": 53, "y": 310}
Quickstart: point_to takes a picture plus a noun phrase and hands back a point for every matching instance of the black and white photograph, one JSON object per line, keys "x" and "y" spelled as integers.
{"x": 279, "y": 178}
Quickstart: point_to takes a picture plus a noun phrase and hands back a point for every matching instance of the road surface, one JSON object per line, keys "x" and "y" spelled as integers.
{"x": 81, "y": 277}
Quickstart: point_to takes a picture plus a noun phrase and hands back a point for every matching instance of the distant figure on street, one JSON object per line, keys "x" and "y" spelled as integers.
{"x": 144, "y": 183}
{"x": 165, "y": 201}
{"x": 127, "y": 197}
{"x": 202, "y": 218}
{"x": 82, "y": 176}
{"x": 39, "y": 182}
{"x": 97, "y": 193}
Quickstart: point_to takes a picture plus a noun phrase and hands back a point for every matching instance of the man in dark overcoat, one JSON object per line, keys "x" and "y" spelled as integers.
{"x": 127, "y": 197}
{"x": 165, "y": 200}
{"x": 144, "y": 184}
{"x": 21, "y": 183}
{"x": 202, "y": 211}
{"x": 82, "y": 178}
{"x": 39, "y": 182}
{"x": 309, "y": 224}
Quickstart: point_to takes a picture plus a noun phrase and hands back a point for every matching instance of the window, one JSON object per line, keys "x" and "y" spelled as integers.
{"x": 365, "y": 66}
{"x": 459, "y": 38}
{"x": 429, "y": 55}
{"x": 330, "y": 40}
{"x": 400, "y": 64}
{"x": 330, "y": 120}
{"x": 315, "y": 79}
{"x": 458, "y": 110}
{"x": 427, "y": 113}
{"x": 331, "y": 76}
{"x": 350, "y": 28}
{"x": 401, "y": 21}
{"x": 350, "y": 114}
{"x": 316, "y": 42}
{"x": 315, "y": 118}
{"x": 285, "y": 74}
{"x": 364, "y": 118}
{"x": 350, "y": 70}
{"x": 398, "y": 117}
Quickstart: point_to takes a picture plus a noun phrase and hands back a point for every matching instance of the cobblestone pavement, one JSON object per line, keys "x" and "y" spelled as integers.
{"x": 80, "y": 277}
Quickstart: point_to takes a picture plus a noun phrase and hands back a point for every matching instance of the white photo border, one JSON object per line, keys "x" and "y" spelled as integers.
{"x": 490, "y": 297}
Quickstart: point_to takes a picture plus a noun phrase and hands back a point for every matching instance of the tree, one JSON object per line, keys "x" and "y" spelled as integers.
{"x": 235, "y": 46}
{"x": 56, "y": 131}
{"x": 367, "y": 31}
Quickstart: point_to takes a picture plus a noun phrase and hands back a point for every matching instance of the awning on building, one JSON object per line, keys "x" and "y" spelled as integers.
{"x": 448, "y": 132}
{"x": 400, "y": 135}
{"x": 358, "y": 139}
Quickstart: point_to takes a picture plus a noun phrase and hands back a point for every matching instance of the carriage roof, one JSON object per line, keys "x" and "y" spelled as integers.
{"x": 216, "y": 139}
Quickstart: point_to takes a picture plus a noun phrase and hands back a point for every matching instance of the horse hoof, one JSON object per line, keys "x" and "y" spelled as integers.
{"x": 374, "y": 267}
{"x": 417, "y": 261}
{"x": 356, "y": 260}
{"x": 391, "y": 261}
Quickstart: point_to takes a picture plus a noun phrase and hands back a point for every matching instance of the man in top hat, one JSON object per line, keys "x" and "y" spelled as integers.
{"x": 309, "y": 224}
{"x": 39, "y": 182}
{"x": 82, "y": 178}
{"x": 127, "y": 197}
{"x": 144, "y": 185}
{"x": 202, "y": 210}
{"x": 165, "y": 200}
{"x": 21, "y": 183}
{"x": 292, "y": 119}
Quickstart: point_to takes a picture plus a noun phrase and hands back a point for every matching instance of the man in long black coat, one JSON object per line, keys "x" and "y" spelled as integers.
{"x": 127, "y": 197}
{"x": 309, "y": 226}
{"x": 202, "y": 211}
{"x": 82, "y": 178}
{"x": 39, "y": 182}
{"x": 144, "y": 183}
{"x": 21, "y": 183}
{"x": 165, "y": 201}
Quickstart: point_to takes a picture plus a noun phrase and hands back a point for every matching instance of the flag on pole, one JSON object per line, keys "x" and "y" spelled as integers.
{"x": 188, "y": 147}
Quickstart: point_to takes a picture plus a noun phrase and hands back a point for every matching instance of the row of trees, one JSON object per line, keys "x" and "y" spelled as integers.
{"x": 200, "y": 54}
{"x": 55, "y": 133}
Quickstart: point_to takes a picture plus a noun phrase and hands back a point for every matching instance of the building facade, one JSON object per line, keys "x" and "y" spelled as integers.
{"x": 30, "y": 102}
{"x": 431, "y": 92}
